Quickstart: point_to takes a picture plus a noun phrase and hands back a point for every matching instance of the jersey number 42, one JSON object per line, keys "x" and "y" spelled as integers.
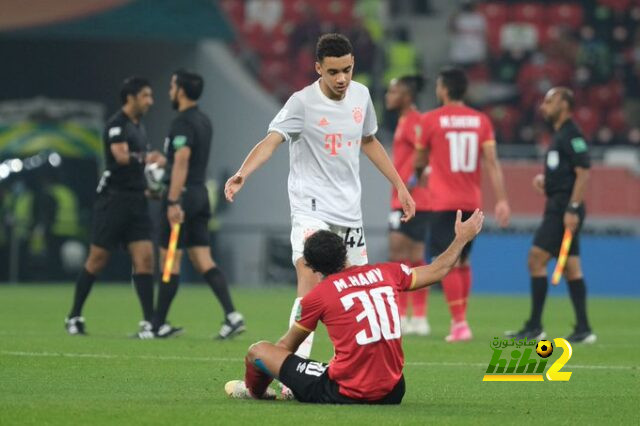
{"x": 374, "y": 304}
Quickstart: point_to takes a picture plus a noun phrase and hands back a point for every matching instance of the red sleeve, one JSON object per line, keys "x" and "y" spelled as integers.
{"x": 310, "y": 311}
{"x": 404, "y": 278}
{"x": 427, "y": 130}
{"x": 487, "y": 135}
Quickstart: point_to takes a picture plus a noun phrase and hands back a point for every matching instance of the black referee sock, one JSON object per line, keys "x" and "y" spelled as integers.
{"x": 166, "y": 293}
{"x": 143, "y": 284}
{"x": 578, "y": 293}
{"x": 216, "y": 280}
{"x": 83, "y": 288}
{"x": 538, "y": 295}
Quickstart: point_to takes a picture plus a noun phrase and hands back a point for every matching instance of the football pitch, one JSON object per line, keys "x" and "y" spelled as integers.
{"x": 48, "y": 377}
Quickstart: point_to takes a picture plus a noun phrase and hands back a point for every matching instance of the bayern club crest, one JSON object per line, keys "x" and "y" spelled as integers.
{"x": 357, "y": 115}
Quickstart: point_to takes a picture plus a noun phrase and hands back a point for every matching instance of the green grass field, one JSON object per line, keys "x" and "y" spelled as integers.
{"x": 47, "y": 377}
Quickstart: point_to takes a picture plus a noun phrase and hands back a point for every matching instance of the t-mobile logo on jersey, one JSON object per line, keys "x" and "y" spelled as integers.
{"x": 333, "y": 143}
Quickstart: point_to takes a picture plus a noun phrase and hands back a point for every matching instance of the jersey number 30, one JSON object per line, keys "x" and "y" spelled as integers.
{"x": 374, "y": 308}
{"x": 463, "y": 151}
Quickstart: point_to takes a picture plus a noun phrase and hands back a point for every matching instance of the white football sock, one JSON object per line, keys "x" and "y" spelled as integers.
{"x": 304, "y": 350}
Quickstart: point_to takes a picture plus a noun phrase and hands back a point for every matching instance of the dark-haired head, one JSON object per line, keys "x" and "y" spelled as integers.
{"x": 403, "y": 91}
{"x": 334, "y": 45}
{"x": 136, "y": 95}
{"x": 325, "y": 252}
{"x": 451, "y": 85}
{"x": 334, "y": 64}
{"x": 188, "y": 83}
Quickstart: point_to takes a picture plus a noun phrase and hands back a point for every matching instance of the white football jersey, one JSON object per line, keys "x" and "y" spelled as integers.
{"x": 324, "y": 151}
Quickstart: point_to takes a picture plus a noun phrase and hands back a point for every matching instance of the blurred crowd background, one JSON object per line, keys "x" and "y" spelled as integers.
{"x": 63, "y": 65}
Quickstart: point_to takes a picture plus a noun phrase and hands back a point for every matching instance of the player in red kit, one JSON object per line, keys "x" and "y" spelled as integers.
{"x": 406, "y": 239}
{"x": 358, "y": 306}
{"x": 455, "y": 138}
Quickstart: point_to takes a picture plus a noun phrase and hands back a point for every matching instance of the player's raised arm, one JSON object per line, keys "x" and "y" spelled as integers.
{"x": 492, "y": 164}
{"x": 373, "y": 149}
{"x": 259, "y": 155}
{"x": 465, "y": 232}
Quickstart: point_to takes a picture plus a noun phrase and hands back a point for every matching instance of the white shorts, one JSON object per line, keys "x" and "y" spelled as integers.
{"x": 302, "y": 227}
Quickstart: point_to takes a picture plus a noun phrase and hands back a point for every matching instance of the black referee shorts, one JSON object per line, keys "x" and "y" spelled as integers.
{"x": 443, "y": 233}
{"x": 309, "y": 381}
{"x": 120, "y": 218}
{"x": 415, "y": 229}
{"x": 549, "y": 234}
{"x": 194, "y": 231}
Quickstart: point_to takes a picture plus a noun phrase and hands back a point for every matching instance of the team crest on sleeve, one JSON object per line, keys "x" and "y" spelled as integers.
{"x": 299, "y": 312}
{"x": 179, "y": 141}
{"x": 579, "y": 145}
{"x": 357, "y": 115}
{"x": 405, "y": 269}
{"x": 115, "y": 131}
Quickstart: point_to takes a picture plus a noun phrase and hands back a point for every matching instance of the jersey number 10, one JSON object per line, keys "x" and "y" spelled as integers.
{"x": 463, "y": 151}
{"x": 374, "y": 308}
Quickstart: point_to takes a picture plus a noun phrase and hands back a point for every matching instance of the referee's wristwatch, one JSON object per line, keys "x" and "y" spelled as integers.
{"x": 574, "y": 207}
{"x": 173, "y": 203}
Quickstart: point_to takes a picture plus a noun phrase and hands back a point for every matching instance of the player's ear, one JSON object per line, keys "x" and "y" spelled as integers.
{"x": 318, "y": 68}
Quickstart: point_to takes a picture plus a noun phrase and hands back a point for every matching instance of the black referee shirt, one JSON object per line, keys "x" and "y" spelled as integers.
{"x": 193, "y": 129}
{"x": 567, "y": 151}
{"x": 128, "y": 177}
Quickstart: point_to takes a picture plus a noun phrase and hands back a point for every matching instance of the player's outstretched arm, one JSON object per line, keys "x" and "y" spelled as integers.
{"x": 259, "y": 155}
{"x": 492, "y": 164}
{"x": 373, "y": 149}
{"x": 465, "y": 232}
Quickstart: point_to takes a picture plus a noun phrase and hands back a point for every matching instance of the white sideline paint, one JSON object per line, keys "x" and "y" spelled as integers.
{"x": 214, "y": 359}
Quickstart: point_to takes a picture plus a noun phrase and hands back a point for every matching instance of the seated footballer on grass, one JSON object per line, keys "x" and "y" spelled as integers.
{"x": 358, "y": 306}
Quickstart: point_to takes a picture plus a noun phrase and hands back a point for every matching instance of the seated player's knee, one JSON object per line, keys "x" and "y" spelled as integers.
{"x": 256, "y": 350}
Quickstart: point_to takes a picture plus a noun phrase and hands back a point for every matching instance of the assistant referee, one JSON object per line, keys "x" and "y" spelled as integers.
{"x": 564, "y": 183}
{"x": 187, "y": 201}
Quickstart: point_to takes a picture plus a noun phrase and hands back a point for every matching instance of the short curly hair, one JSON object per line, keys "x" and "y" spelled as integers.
{"x": 334, "y": 45}
{"x": 325, "y": 252}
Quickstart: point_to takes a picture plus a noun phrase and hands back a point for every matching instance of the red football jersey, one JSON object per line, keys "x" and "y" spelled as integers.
{"x": 405, "y": 139}
{"x": 454, "y": 136}
{"x": 359, "y": 308}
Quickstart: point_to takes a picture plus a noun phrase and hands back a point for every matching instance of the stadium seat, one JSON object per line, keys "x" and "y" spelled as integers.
{"x": 589, "y": 120}
{"x": 528, "y": 12}
{"x": 570, "y": 15}
{"x": 617, "y": 121}
{"x": 606, "y": 96}
{"x": 617, "y": 5}
{"x": 494, "y": 12}
{"x": 234, "y": 10}
{"x": 506, "y": 120}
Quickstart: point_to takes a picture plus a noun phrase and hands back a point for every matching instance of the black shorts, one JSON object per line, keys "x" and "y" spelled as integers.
{"x": 309, "y": 381}
{"x": 549, "y": 234}
{"x": 415, "y": 229}
{"x": 119, "y": 218}
{"x": 443, "y": 233}
{"x": 194, "y": 231}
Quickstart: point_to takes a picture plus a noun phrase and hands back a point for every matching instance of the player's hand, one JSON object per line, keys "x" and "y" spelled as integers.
{"x": 156, "y": 157}
{"x": 538, "y": 183}
{"x": 571, "y": 221}
{"x": 503, "y": 213}
{"x": 471, "y": 227}
{"x": 233, "y": 185}
{"x": 175, "y": 214}
{"x": 408, "y": 205}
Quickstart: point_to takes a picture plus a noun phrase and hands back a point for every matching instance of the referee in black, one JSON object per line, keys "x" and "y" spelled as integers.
{"x": 564, "y": 183}
{"x": 187, "y": 202}
{"x": 120, "y": 215}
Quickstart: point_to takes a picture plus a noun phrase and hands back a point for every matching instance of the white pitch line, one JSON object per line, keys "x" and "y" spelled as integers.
{"x": 214, "y": 359}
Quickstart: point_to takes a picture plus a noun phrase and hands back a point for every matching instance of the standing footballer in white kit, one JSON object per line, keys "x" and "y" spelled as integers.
{"x": 326, "y": 125}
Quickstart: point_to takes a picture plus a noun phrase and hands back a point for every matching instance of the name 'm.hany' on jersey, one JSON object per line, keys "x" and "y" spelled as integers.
{"x": 359, "y": 308}
{"x": 324, "y": 138}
